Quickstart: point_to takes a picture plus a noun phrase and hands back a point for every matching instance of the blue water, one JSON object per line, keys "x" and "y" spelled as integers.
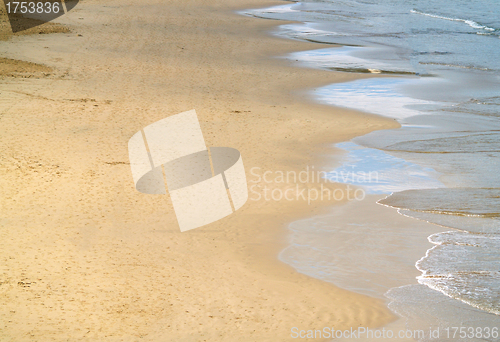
{"x": 428, "y": 35}
{"x": 436, "y": 70}
{"x": 385, "y": 173}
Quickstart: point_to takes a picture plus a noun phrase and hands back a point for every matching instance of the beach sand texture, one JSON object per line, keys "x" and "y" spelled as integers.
{"x": 86, "y": 257}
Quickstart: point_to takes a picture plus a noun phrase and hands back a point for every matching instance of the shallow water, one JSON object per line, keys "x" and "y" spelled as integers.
{"x": 425, "y": 308}
{"x": 463, "y": 264}
{"x": 360, "y": 246}
{"x": 442, "y": 83}
{"x": 381, "y": 173}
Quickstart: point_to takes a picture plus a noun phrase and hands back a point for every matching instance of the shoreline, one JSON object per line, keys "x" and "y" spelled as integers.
{"x": 467, "y": 290}
{"x": 93, "y": 114}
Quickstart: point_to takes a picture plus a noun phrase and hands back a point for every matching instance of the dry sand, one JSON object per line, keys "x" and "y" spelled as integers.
{"x": 84, "y": 255}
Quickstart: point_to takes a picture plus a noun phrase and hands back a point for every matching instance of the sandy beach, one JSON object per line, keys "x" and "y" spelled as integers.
{"x": 85, "y": 257}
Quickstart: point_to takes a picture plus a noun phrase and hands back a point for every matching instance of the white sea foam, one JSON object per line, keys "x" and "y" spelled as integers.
{"x": 469, "y": 22}
{"x": 373, "y": 96}
{"x": 464, "y": 266}
{"x": 353, "y": 58}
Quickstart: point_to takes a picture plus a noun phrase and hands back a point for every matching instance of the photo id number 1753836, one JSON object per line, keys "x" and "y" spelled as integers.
{"x": 33, "y": 7}
{"x": 471, "y": 332}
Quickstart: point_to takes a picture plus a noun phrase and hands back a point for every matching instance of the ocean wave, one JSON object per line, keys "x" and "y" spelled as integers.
{"x": 458, "y": 66}
{"x": 465, "y": 202}
{"x": 471, "y": 224}
{"x": 466, "y": 143}
{"x": 469, "y": 22}
{"x": 464, "y": 266}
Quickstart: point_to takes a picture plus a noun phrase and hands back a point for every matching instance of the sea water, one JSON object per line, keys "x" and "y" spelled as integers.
{"x": 436, "y": 69}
